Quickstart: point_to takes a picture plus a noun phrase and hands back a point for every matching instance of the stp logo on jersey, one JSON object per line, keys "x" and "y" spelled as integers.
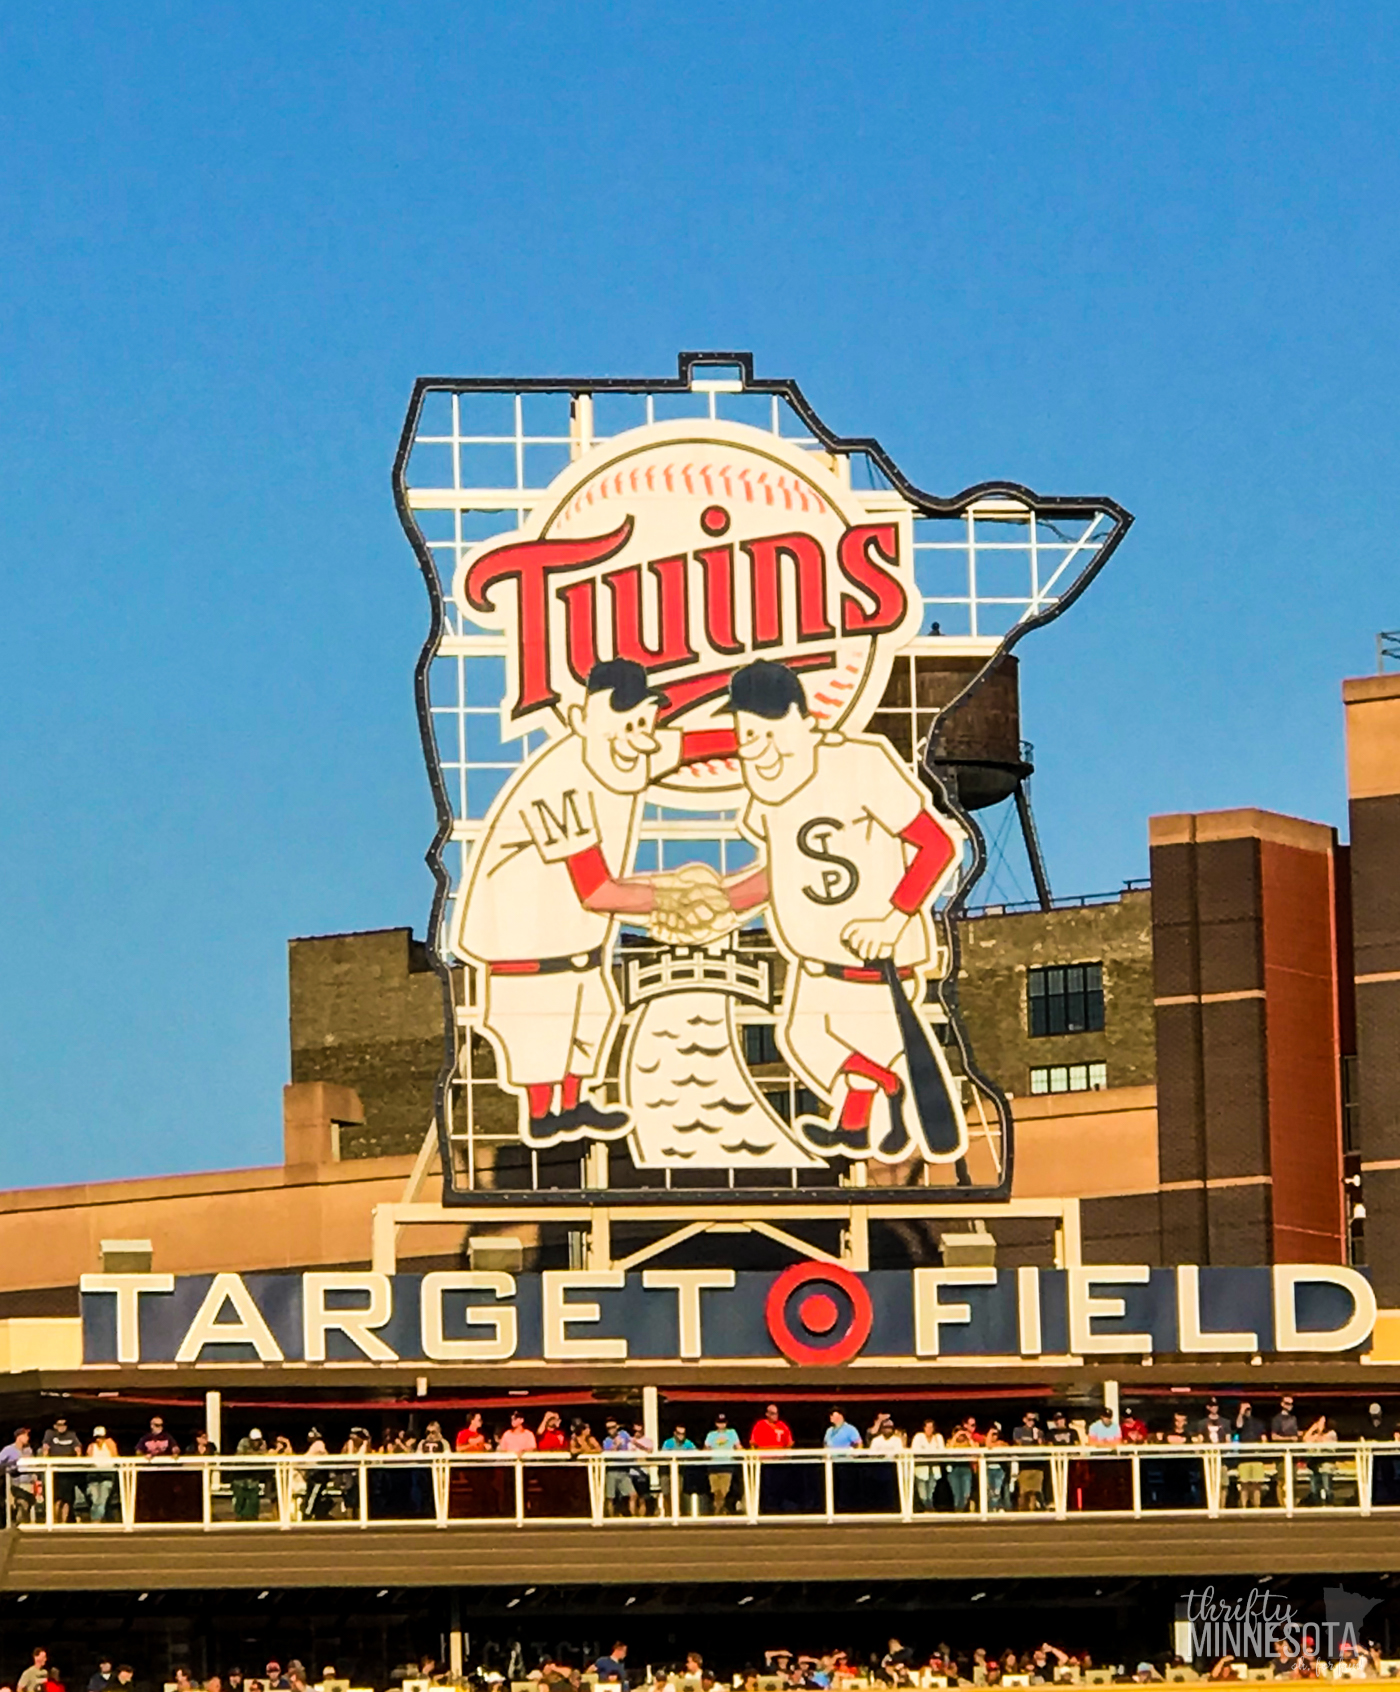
{"x": 689, "y": 549}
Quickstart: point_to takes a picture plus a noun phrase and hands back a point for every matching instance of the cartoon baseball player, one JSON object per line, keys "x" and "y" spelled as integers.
{"x": 850, "y": 858}
{"x": 549, "y": 883}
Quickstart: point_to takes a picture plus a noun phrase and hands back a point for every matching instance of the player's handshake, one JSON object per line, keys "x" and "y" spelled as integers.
{"x": 691, "y": 907}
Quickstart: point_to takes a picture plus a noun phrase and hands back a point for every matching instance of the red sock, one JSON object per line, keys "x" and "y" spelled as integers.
{"x": 568, "y": 1091}
{"x": 541, "y": 1095}
{"x": 885, "y": 1079}
{"x": 855, "y": 1107}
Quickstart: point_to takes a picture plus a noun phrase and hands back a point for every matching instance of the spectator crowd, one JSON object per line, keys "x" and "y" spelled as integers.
{"x": 85, "y": 1480}
{"x": 779, "y": 1669}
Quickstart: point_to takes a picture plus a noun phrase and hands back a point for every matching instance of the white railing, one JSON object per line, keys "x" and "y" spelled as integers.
{"x": 348, "y": 1490}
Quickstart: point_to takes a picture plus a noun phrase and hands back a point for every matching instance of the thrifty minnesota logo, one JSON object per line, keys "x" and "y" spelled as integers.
{"x": 1255, "y": 1624}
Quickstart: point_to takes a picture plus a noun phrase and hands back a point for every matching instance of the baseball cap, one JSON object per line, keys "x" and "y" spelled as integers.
{"x": 99, "y": 1433}
{"x": 254, "y": 1433}
{"x": 626, "y": 680}
{"x": 766, "y": 689}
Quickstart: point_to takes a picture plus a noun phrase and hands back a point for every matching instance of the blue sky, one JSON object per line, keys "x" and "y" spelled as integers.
{"x": 1141, "y": 250}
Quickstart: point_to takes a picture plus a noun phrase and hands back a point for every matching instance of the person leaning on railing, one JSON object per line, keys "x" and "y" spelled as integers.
{"x": 582, "y": 1440}
{"x": 1030, "y": 1477}
{"x": 248, "y": 1483}
{"x": 61, "y": 1442}
{"x": 20, "y": 1487}
{"x": 472, "y": 1436}
{"x": 356, "y": 1445}
{"x": 996, "y": 1472}
{"x": 961, "y": 1472}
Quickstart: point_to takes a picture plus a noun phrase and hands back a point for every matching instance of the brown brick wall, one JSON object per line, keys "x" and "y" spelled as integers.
{"x": 1249, "y": 1125}
{"x": 1375, "y": 891}
{"x": 1126, "y": 1228}
{"x": 1304, "y": 1055}
{"x": 1373, "y": 787}
{"x": 996, "y": 951}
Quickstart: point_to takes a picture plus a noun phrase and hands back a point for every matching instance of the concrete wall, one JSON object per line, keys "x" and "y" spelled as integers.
{"x": 1086, "y": 1145}
{"x": 366, "y": 1012}
{"x": 313, "y": 1212}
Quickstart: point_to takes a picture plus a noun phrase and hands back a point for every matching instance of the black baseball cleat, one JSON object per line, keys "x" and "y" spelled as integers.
{"x": 585, "y": 1117}
{"x": 583, "y": 1121}
{"x": 542, "y": 1130}
{"x": 829, "y": 1138}
{"x": 894, "y": 1146}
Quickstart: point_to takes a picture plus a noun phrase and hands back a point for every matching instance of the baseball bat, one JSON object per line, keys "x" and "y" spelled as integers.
{"x": 932, "y": 1106}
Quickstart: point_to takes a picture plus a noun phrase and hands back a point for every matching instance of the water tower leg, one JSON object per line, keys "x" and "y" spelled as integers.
{"x": 1033, "y": 852}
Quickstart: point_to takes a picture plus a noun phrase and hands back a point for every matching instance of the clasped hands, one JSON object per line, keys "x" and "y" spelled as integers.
{"x": 691, "y": 907}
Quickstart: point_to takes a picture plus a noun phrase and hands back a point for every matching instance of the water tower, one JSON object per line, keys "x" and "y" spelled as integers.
{"x": 975, "y": 749}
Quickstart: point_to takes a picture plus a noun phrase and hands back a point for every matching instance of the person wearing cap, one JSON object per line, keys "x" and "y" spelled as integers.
{"x": 317, "y": 1477}
{"x": 276, "y": 1680}
{"x": 60, "y": 1441}
{"x": 357, "y": 1441}
{"x": 1030, "y": 1477}
{"x": 549, "y": 882}
{"x": 850, "y": 859}
{"x": 1212, "y": 1428}
{"x": 248, "y": 1483}
{"x": 722, "y": 1442}
{"x": 104, "y": 1677}
{"x": 102, "y": 1454}
{"x": 19, "y": 1481}
{"x": 619, "y": 1495}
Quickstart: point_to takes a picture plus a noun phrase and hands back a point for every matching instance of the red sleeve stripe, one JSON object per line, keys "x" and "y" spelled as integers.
{"x": 698, "y": 744}
{"x": 588, "y": 871}
{"x": 933, "y": 852}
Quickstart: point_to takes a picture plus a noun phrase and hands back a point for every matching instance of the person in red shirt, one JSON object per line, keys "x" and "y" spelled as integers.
{"x": 471, "y": 1437}
{"x": 1134, "y": 1431}
{"x": 551, "y": 1436}
{"x": 771, "y": 1432}
{"x": 776, "y": 1492}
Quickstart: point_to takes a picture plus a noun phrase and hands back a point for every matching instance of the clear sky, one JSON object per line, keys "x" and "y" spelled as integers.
{"x": 1146, "y": 250}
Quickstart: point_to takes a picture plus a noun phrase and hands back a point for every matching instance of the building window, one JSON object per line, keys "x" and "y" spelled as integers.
{"x": 1070, "y": 1078}
{"x": 1066, "y": 999}
{"x": 1351, "y": 1107}
{"x": 759, "y": 1044}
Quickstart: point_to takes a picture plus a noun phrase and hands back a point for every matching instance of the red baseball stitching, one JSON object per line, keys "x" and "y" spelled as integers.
{"x": 761, "y": 487}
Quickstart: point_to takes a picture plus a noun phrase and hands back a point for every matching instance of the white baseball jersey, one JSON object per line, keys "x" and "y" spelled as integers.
{"x": 520, "y": 903}
{"x": 833, "y": 850}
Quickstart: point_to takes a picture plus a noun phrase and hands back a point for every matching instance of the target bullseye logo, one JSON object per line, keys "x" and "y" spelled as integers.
{"x": 813, "y": 1300}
